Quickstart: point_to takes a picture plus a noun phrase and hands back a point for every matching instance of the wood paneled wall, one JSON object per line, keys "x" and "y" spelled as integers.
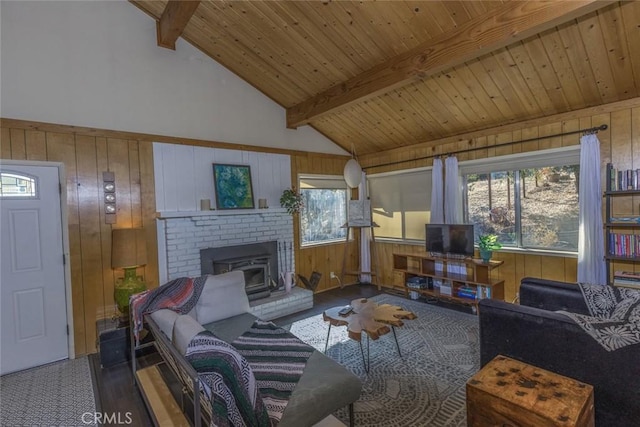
{"x": 323, "y": 258}
{"x": 85, "y": 157}
{"x": 86, "y": 153}
{"x": 620, "y": 144}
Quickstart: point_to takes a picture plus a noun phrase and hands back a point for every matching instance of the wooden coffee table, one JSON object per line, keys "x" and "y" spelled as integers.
{"x": 369, "y": 317}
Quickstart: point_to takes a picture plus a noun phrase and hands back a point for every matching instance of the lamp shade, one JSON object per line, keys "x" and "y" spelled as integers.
{"x": 352, "y": 173}
{"x": 128, "y": 248}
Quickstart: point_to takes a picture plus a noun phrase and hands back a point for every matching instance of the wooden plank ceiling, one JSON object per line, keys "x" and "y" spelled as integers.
{"x": 374, "y": 76}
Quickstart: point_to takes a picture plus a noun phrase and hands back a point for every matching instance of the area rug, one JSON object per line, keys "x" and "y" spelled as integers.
{"x": 426, "y": 387}
{"x": 57, "y": 394}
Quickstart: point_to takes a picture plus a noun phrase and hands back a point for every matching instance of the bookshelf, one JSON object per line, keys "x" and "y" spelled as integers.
{"x": 473, "y": 279}
{"x": 622, "y": 241}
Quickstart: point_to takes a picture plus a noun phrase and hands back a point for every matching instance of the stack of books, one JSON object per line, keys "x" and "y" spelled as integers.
{"x": 628, "y": 179}
{"x": 624, "y": 245}
{"x": 466, "y": 292}
{"x": 627, "y": 279}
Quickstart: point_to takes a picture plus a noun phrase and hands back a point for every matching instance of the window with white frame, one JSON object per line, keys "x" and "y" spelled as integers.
{"x": 18, "y": 186}
{"x": 401, "y": 203}
{"x": 529, "y": 200}
{"x": 325, "y": 209}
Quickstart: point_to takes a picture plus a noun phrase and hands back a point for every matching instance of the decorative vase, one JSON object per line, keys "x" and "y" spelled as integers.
{"x": 485, "y": 255}
{"x": 129, "y": 285}
{"x": 288, "y": 281}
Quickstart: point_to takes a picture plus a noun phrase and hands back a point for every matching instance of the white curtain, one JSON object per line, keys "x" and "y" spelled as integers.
{"x": 437, "y": 195}
{"x": 453, "y": 204}
{"x": 452, "y": 193}
{"x": 365, "y": 237}
{"x": 591, "y": 265}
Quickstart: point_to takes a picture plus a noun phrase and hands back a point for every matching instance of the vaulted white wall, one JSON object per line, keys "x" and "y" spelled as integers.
{"x": 96, "y": 64}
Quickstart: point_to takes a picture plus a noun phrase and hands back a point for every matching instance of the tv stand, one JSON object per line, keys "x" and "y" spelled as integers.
{"x": 448, "y": 256}
{"x": 461, "y": 280}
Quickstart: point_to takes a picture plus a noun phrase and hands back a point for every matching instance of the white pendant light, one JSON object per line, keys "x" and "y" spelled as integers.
{"x": 352, "y": 173}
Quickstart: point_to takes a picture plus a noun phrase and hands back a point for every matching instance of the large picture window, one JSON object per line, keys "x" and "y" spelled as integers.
{"x": 529, "y": 201}
{"x": 325, "y": 209}
{"x": 401, "y": 204}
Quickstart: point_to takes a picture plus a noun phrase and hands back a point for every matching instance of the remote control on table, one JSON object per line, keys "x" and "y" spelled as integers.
{"x": 345, "y": 310}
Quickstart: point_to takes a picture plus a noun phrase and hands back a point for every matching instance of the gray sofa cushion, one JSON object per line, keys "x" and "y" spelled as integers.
{"x": 165, "y": 319}
{"x": 223, "y": 296}
{"x": 184, "y": 329}
{"x": 231, "y": 328}
{"x": 324, "y": 386}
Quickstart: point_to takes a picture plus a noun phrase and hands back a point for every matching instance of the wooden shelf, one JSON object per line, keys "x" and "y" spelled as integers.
{"x": 461, "y": 278}
{"x": 436, "y": 294}
{"x": 163, "y": 407}
{"x": 611, "y": 224}
{"x": 621, "y": 258}
{"x": 621, "y": 192}
{"x": 477, "y": 275}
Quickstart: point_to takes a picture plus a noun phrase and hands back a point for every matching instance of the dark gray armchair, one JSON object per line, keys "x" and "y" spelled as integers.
{"x": 533, "y": 333}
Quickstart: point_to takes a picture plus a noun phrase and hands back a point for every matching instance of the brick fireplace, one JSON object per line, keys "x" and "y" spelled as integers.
{"x": 182, "y": 236}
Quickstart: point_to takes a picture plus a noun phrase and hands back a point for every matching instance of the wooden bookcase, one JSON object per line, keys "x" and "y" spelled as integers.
{"x": 473, "y": 274}
{"x": 621, "y": 234}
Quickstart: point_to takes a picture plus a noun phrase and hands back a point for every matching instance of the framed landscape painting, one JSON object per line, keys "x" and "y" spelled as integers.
{"x": 233, "y": 187}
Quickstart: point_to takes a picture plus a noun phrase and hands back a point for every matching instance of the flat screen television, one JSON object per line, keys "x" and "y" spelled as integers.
{"x": 455, "y": 239}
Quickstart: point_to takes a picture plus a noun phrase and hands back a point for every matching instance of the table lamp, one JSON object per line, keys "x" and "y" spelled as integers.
{"x": 128, "y": 251}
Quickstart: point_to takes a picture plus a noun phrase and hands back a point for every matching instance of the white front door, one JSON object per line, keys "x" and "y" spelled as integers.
{"x": 32, "y": 286}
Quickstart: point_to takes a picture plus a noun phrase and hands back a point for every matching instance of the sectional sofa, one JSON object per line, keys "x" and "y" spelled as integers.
{"x": 223, "y": 308}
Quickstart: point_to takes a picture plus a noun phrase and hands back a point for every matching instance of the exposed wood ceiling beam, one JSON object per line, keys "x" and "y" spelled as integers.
{"x": 174, "y": 19}
{"x": 499, "y": 27}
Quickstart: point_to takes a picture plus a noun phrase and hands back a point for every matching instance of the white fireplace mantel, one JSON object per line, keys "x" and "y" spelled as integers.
{"x": 214, "y": 213}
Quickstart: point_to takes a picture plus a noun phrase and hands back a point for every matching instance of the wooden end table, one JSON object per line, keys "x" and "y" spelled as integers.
{"x": 509, "y": 392}
{"x": 369, "y": 317}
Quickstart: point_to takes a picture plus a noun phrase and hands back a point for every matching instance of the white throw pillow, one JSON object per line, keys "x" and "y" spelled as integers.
{"x": 185, "y": 328}
{"x": 223, "y": 296}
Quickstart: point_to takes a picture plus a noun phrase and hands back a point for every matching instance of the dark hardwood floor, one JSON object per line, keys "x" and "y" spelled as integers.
{"x": 116, "y": 392}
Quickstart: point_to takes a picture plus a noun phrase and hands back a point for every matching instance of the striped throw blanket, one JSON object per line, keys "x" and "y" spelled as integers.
{"x": 278, "y": 359}
{"x": 179, "y": 295}
{"x": 229, "y": 383}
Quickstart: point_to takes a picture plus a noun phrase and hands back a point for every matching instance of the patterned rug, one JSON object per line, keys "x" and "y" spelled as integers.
{"x": 426, "y": 387}
{"x": 57, "y": 394}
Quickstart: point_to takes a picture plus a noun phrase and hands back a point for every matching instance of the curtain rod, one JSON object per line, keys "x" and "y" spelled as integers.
{"x": 584, "y": 131}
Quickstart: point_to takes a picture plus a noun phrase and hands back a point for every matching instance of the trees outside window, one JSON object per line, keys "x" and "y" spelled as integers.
{"x": 324, "y": 211}
{"x": 533, "y": 207}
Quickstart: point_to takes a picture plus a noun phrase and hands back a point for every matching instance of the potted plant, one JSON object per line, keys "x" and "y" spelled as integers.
{"x": 487, "y": 244}
{"x": 291, "y": 200}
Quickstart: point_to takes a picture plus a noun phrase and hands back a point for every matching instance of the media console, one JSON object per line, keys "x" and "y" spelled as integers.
{"x": 464, "y": 281}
